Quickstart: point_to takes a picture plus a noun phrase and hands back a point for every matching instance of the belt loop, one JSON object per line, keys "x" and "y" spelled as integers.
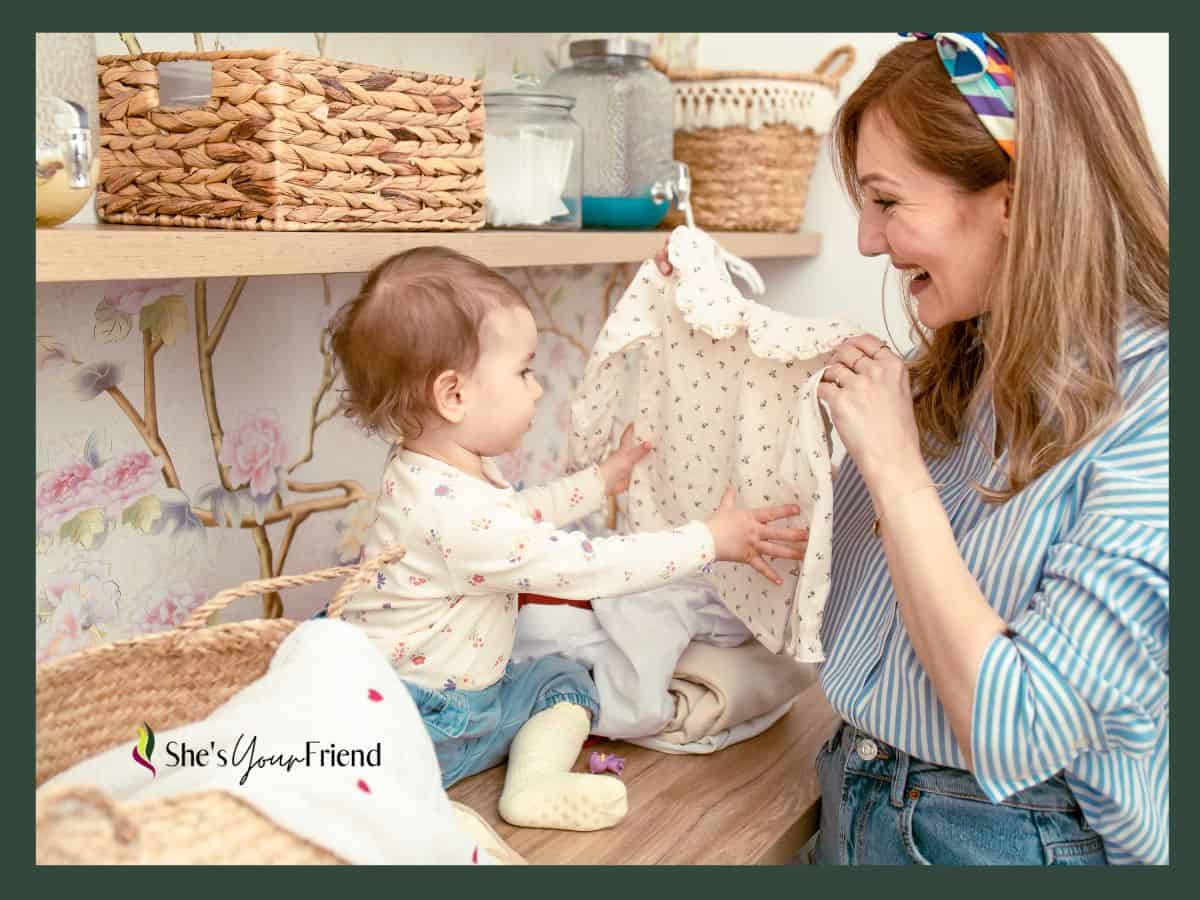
{"x": 899, "y": 777}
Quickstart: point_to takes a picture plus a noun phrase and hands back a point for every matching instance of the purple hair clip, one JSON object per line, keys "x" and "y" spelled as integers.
{"x": 605, "y": 762}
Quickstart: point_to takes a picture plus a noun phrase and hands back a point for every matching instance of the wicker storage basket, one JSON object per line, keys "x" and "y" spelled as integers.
{"x": 751, "y": 139}
{"x": 289, "y": 142}
{"x": 93, "y": 700}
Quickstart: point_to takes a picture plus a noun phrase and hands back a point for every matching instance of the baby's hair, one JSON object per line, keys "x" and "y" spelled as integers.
{"x": 417, "y": 315}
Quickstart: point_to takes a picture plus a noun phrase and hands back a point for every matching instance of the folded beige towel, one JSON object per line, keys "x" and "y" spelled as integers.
{"x": 715, "y": 688}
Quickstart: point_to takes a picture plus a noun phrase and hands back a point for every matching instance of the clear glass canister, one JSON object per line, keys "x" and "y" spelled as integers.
{"x": 626, "y": 108}
{"x": 532, "y": 160}
{"x": 66, "y": 157}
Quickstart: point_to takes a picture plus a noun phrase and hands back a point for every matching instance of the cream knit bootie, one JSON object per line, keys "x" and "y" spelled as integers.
{"x": 541, "y": 791}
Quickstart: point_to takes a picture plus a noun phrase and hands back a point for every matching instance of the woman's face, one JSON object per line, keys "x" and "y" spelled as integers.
{"x": 948, "y": 242}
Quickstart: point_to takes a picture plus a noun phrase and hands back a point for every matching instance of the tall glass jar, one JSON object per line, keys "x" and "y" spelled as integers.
{"x": 67, "y": 134}
{"x": 532, "y": 160}
{"x": 626, "y": 108}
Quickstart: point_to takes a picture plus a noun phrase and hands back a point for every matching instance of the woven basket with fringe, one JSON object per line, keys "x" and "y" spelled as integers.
{"x": 751, "y": 139}
{"x": 288, "y": 142}
{"x": 94, "y": 700}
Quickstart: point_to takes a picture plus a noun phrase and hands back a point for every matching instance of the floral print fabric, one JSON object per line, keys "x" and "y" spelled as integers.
{"x": 727, "y": 394}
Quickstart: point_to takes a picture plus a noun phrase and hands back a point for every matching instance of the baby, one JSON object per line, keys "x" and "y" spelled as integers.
{"x": 436, "y": 351}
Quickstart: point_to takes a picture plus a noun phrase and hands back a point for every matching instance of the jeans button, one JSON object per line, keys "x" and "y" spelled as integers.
{"x": 867, "y": 750}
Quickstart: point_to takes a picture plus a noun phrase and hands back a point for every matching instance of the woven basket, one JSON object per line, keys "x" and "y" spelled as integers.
{"x": 289, "y": 142}
{"x": 94, "y": 700}
{"x": 751, "y": 140}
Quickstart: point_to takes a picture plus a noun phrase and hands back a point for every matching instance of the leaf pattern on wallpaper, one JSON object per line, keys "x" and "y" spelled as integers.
{"x": 84, "y": 527}
{"x": 165, "y": 319}
{"x": 112, "y": 324}
{"x": 143, "y": 514}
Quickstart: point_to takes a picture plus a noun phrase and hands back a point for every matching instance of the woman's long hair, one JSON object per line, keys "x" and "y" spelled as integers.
{"x": 1087, "y": 242}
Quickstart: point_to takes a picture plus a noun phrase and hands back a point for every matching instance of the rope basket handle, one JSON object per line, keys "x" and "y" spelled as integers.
{"x": 847, "y": 55}
{"x": 56, "y": 804}
{"x": 356, "y": 576}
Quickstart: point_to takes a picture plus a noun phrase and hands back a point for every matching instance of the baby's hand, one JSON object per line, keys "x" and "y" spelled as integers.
{"x": 742, "y": 535}
{"x": 616, "y": 469}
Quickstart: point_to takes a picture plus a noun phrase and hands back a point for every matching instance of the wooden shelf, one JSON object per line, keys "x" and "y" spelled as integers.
{"x": 109, "y": 252}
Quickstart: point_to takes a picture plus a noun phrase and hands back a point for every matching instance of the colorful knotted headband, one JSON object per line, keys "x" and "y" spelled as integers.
{"x": 980, "y": 71}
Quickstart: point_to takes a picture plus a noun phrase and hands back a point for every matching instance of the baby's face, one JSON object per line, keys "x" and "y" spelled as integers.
{"x": 501, "y": 393}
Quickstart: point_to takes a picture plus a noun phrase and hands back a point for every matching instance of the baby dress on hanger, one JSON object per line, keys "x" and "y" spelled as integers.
{"x": 727, "y": 393}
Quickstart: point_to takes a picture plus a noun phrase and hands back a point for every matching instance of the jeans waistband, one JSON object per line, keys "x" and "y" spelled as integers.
{"x": 866, "y": 755}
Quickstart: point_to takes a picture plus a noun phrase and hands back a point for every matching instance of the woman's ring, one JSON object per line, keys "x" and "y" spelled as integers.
{"x": 878, "y": 349}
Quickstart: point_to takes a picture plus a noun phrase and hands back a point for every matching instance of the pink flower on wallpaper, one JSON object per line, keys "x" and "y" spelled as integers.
{"x": 83, "y": 605}
{"x": 167, "y": 607}
{"x": 253, "y": 451}
{"x": 64, "y": 492}
{"x": 59, "y": 637}
{"x": 127, "y": 477}
{"x": 131, "y": 295}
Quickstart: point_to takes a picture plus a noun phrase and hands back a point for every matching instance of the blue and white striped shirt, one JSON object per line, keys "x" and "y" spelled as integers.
{"x": 1077, "y": 565}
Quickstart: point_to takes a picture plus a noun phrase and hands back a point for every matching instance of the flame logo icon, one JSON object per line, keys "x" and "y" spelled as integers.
{"x": 145, "y": 748}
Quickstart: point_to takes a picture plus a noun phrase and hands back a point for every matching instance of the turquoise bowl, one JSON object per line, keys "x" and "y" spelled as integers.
{"x": 623, "y": 212}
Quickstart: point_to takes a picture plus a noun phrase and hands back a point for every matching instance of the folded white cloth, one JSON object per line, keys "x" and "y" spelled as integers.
{"x": 631, "y": 643}
{"x": 711, "y": 743}
{"x": 364, "y": 782}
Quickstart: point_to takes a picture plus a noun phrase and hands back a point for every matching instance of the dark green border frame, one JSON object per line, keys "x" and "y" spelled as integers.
{"x": 16, "y": 454}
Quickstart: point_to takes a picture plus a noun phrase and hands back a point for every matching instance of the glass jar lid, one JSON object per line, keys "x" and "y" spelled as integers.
{"x": 527, "y": 99}
{"x": 609, "y": 47}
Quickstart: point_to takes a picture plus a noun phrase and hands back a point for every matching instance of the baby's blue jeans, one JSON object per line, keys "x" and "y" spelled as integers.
{"x": 472, "y": 730}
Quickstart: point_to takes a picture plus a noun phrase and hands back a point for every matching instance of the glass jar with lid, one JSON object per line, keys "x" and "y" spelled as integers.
{"x": 532, "y": 160}
{"x": 66, "y": 157}
{"x": 626, "y": 108}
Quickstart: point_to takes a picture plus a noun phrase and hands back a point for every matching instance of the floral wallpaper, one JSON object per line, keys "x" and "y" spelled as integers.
{"x": 188, "y": 439}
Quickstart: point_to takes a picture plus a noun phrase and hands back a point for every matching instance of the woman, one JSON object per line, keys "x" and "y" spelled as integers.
{"x": 997, "y": 629}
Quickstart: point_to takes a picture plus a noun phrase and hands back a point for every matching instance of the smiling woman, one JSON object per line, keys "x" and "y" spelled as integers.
{"x": 928, "y": 225}
{"x": 997, "y": 645}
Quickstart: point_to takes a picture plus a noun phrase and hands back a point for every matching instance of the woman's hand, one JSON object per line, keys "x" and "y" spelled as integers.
{"x": 664, "y": 264}
{"x": 618, "y": 466}
{"x": 870, "y": 402}
{"x": 743, "y": 535}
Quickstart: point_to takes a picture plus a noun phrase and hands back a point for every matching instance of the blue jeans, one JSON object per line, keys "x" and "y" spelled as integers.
{"x": 472, "y": 730}
{"x": 880, "y": 806}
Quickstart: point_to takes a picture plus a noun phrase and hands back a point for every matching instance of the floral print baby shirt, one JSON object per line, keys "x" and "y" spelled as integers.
{"x": 445, "y": 614}
{"x": 727, "y": 393}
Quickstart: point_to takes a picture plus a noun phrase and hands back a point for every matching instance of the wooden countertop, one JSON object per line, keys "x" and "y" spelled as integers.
{"x": 754, "y": 802}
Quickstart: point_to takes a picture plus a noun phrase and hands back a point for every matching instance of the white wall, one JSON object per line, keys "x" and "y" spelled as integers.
{"x": 840, "y": 281}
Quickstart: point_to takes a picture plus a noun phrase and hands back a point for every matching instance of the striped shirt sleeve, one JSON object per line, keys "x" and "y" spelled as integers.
{"x": 1085, "y": 668}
